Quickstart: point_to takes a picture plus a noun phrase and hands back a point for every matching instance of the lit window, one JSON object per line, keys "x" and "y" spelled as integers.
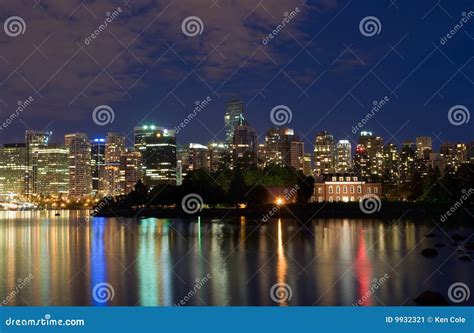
{"x": 338, "y": 199}
{"x": 330, "y": 189}
{"x": 320, "y": 190}
{"x": 331, "y": 199}
{"x": 352, "y": 188}
{"x": 376, "y": 190}
{"x": 338, "y": 189}
{"x": 344, "y": 189}
{"x": 369, "y": 190}
{"x": 359, "y": 189}
{"x": 334, "y": 179}
{"x": 341, "y": 179}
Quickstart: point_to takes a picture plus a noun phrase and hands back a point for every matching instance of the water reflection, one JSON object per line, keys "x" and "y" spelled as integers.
{"x": 152, "y": 262}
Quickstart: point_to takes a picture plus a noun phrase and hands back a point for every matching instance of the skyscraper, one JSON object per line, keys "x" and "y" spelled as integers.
{"x": 424, "y": 147}
{"x": 12, "y": 168}
{"x": 391, "y": 160}
{"x": 52, "y": 170}
{"x": 217, "y": 154}
{"x": 407, "y": 161}
{"x": 324, "y": 150}
{"x": 130, "y": 170}
{"x": 114, "y": 148}
{"x": 368, "y": 159}
{"x": 245, "y": 144}
{"x": 98, "y": 166}
{"x": 34, "y": 140}
{"x": 157, "y": 147}
{"x": 272, "y": 144}
{"x": 234, "y": 116}
{"x": 297, "y": 155}
{"x": 343, "y": 156}
{"x": 80, "y": 172}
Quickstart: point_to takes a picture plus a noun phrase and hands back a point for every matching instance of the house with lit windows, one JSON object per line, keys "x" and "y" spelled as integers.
{"x": 343, "y": 188}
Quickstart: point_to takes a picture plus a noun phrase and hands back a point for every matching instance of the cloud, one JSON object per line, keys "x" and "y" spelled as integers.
{"x": 68, "y": 76}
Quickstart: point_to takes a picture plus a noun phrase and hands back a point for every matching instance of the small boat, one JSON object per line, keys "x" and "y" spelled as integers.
{"x": 57, "y": 214}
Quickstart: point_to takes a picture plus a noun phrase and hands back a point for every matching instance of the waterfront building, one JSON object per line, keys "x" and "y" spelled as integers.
{"x": 157, "y": 147}
{"x": 80, "y": 171}
{"x": 13, "y": 168}
{"x": 52, "y": 170}
{"x": 344, "y": 188}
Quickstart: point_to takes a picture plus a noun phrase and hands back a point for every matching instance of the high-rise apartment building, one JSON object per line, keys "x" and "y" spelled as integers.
{"x": 157, "y": 147}
{"x": 52, "y": 170}
{"x": 343, "y": 156}
{"x": 424, "y": 147}
{"x": 297, "y": 155}
{"x": 368, "y": 158}
{"x": 407, "y": 161}
{"x": 13, "y": 168}
{"x": 80, "y": 171}
{"x": 391, "y": 161}
{"x": 218, "y": 151}
{"x": 114, "y": 148}
{"x": 324, "y": 154}
{"x": 129, "y": 170}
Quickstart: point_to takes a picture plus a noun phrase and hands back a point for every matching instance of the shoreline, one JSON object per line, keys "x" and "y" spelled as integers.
{"x": 307, "y": 212}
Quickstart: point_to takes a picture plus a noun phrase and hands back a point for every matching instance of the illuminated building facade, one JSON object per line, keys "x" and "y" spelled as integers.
{"x": 324, "y": 150}
{"x": 80, "y": 172}
{"x": 344, "y": 188}
{"x": 157, "y": 147}
{"x": 13, "y": 168}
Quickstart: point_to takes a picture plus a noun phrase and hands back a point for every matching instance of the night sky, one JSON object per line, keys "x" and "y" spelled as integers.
{"x": 319, "y": 65}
